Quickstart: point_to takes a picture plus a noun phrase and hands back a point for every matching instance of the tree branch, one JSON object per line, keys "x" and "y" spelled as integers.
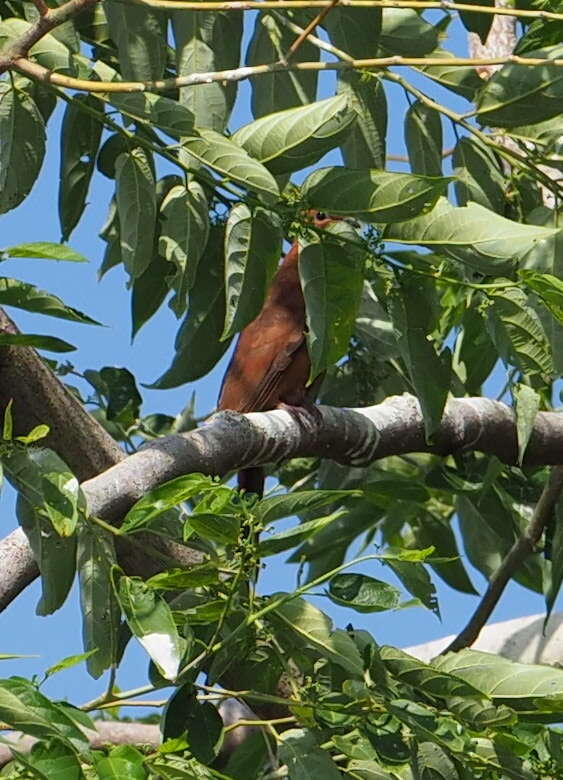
{"x": 39, "y": 73}
{"x": 248, "y": 5}
{"x": 517, "y": 554}
{"x": 349, "y": 436}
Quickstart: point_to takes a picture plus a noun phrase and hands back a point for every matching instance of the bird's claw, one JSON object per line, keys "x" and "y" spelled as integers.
{"x": 305, "y": 416}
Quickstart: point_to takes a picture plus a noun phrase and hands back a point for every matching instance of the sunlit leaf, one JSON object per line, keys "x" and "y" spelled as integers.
{"x": 150, "y": 619}
{"x": 372, "y": 195}
{"x": 289, "y": 140}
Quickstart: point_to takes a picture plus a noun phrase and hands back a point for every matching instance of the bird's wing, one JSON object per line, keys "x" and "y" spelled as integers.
{"x": 254, "y": 375}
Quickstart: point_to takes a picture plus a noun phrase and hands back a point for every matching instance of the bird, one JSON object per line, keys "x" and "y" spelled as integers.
{"x": 270, "y": 365}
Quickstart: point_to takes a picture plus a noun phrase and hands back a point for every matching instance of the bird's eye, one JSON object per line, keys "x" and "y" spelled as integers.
{"x": 320, "y": 216}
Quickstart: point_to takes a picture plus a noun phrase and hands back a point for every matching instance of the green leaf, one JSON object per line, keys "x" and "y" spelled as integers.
{"x": 372, "y": 195}
{"x": 48, "y": 504}
{"x": 30, "y": 298}
{"x": 110, "y": 150}
{"x": 136, "y": 208}
{"x": 472, "y": 235}
{"x": 304, "y": 758}
{"x": 8, "y": 424}
{"x": 429, "y": 371}
{"x": 290, "y": 140}
{"x": 67, "y": 663}
{"x": 354, "y": 31}
{"x": 277, "y": 543}
{"x": 332, "y": 283}
{"x": 207, "y": 41}
{"x": 406, "y": 33}
{"x": 497, "y": 677}
{"x": 519, "y": 95}
{"x": 423, "y": 137}
{"x": 100, "y": 610}
{"x": 253, "y": 242}
{"x": 228, "y": 159}
{"x": 518, "y": 334}
{"x": 198, "y": 345}
{"x": 149, "y": 289}
{"x": 199, "y": 723}
{"x": 433, "y": 761}
{"x": 47, "y": 51}
{"x": 549, "y": 288}
{"x": 150, "y": 619}
{"x": 123, "y": 762}
{"x": 224, "y": 529}
{"x": 457, "y": 78}
{"x": 23, "y": 708}
{"x": 527, "y": 404}
{"x": 364, "y": 143}
{"x": 80, "y": 139}
{"x": 164, "y": 497}
{"x": 425, "y": 677}
{"x": 124, "y": 400}
{"x": 140, "y": 36}
{"x": 554, "y": 549}
{"x": 50, "y": 343}
{"x": 480, "y": 24}
{"x": 479, "y": 176}
{"x": 54, "y": 759}
{"x": 416, "y": 580}
{"x": 270, "y": 42}
{"x": 437, "y": 533}
{"x": 277, "y": 507}
{"x": 185, "y": 579}
{"x": 362, "y": 593}
{"x": 156, "y": 111}
{"x": 44, "y": 250}
{"x": 183, "y": 238}
{"x": 22, "y": 145}
{"x": 314, "y": 629}
{"x": 360, "y": 769}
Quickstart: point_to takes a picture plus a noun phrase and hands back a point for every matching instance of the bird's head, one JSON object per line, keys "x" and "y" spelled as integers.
{"x": 320, "y": 219}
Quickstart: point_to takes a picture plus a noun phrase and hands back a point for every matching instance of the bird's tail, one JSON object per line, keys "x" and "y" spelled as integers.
{"x": 252, "y": 480}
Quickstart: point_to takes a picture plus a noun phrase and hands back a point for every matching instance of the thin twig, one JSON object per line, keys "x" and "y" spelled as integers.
{"x": 302, "y": 37}
{"x": 520, "y": 550}
{"x": 41, "y": 6}
{"x": 248, "y": 5}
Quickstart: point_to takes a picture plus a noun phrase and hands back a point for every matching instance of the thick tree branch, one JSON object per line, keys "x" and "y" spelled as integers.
{"x": 349, "y": 436}
{"x": 39, "y": 397}
{"x": 517, "y": 554}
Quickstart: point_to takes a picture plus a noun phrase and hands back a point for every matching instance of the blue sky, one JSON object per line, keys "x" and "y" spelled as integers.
{"x": 108, "y": 301}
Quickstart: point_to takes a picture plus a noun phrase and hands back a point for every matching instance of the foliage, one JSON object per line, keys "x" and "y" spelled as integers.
{"x": 455, "y": 280}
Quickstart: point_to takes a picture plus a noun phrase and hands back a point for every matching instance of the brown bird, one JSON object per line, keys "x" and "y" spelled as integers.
{"x": 270, "y": 365}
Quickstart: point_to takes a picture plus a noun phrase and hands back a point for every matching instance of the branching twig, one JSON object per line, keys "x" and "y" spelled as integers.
{"x": 304, "y": 34}
{"x": 39, "y": 73}
{"x": 520, "y": 550}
